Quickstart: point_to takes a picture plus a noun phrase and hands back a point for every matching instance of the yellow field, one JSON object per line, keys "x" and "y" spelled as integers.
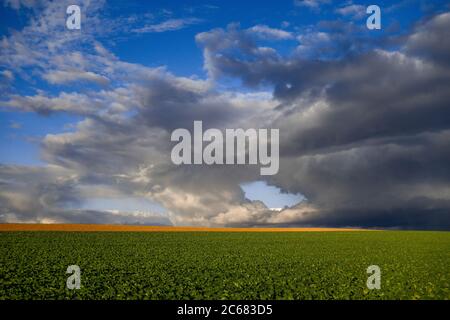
{"x": 119, "y": 228}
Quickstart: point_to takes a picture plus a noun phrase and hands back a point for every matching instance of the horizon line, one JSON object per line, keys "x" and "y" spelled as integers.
{"x": 80, "y": 227}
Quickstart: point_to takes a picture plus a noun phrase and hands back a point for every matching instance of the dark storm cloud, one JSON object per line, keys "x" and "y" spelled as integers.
{"x": 171, "y": 104}
{"x": 371, "y": 183}
{"x": 372, "y": 97}
{"x": 364, "y": 137}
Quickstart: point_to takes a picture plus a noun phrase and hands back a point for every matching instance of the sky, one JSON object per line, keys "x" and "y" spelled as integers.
{"x": 86, "y": 115}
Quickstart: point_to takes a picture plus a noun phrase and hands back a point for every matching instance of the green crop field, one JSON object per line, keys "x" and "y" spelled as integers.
{"x": 213, "y": 265}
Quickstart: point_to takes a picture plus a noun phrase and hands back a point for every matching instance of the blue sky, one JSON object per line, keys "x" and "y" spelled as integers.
{"x": 127, "y": 47}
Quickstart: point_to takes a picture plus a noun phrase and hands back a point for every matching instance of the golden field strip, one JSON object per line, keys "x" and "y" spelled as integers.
{"x": 130, "y": 228}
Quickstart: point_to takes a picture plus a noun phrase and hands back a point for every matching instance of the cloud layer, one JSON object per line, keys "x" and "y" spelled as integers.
{"x": 365, "y": 130}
